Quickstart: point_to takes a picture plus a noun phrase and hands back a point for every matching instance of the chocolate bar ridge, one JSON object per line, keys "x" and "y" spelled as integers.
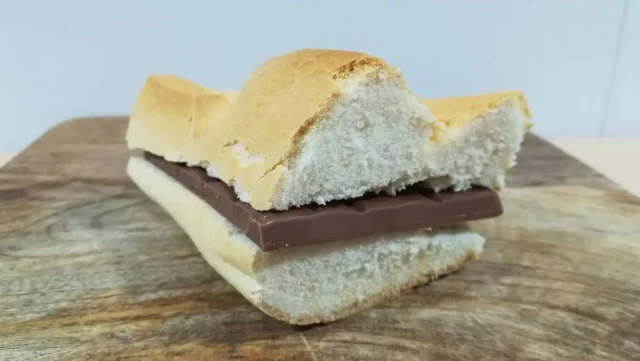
{"x": 373, "y": 214}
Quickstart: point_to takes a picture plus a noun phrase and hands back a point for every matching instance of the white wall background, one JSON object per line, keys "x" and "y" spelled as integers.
{"x": 578, "y": 61}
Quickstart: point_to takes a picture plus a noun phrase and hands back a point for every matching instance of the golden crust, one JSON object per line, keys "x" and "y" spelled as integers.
{"x": 172, "y": 113}
{"x": 459, "y": 112}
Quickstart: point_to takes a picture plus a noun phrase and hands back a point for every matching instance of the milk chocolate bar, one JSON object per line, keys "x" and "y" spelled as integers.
{"x": 373, "y": 214}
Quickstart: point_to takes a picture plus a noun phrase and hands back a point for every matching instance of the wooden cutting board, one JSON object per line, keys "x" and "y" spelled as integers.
{"x": 90, "y": 269}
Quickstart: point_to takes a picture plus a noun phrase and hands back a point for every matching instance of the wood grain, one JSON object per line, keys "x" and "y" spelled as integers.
{"x": 93, "y": 270}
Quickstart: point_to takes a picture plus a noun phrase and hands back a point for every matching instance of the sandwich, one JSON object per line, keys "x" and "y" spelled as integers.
{"x": 324, "y": 186}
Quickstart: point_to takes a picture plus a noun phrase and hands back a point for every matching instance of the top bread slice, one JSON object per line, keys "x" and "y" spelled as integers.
{"x": 319, "y": 125}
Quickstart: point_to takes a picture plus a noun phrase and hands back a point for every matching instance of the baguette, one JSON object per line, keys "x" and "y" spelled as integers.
{"x": 313, "y": 284}
{"x": 314, "y": 126}
{"x": 318, "y": 126}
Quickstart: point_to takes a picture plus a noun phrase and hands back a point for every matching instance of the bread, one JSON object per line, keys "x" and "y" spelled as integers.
{"x": 172, "y": 117}
{"x": 311, "y": 284}
{"x": 310, "y": 127}
{"x": 477, "y": 139}
{"x": 313, "y": 126}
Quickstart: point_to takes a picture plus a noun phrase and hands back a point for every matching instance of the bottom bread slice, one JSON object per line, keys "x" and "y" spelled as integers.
{"x": 313, "y": 284}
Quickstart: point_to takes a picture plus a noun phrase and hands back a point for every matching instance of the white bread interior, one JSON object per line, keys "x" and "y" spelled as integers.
{"x": 315, "y": 283}
{"x": 477, "y": 140}
{"x": 319, "y": 125}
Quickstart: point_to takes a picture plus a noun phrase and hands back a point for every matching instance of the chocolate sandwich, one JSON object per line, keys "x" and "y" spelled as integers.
{"x": 325, "y": 186}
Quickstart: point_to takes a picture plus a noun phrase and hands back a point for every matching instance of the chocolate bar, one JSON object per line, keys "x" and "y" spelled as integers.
{"x": 373, "y": 214}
